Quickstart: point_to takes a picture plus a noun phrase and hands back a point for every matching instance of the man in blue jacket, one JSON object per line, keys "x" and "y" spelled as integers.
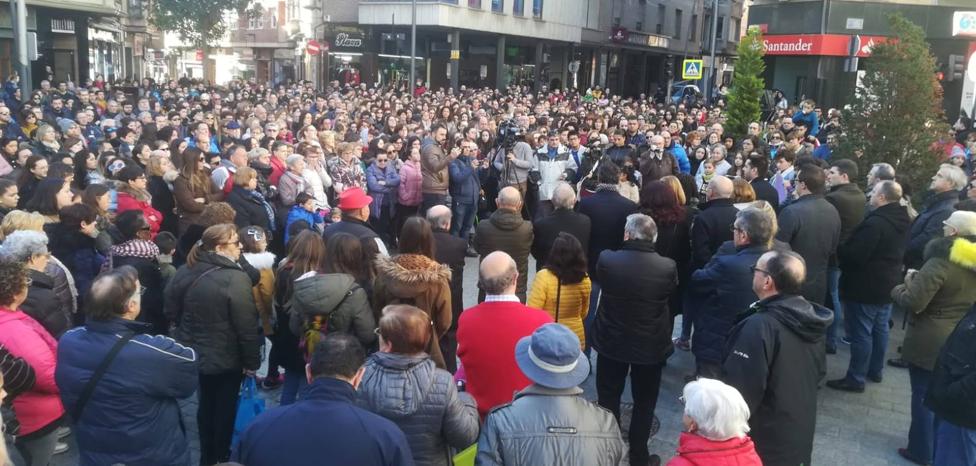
{"x": 325, "y": 427}
{"x": 132, "y": 415}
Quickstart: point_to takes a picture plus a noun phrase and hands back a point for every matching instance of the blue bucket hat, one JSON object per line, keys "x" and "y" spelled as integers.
{"x": 551, "y": 357}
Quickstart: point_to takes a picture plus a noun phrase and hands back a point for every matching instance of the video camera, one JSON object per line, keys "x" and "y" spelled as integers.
{"x": 509, "y": 133}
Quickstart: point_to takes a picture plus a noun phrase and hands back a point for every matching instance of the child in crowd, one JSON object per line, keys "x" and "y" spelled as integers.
{"x": 304, "y": 209}
{"x": 166, "y": 243}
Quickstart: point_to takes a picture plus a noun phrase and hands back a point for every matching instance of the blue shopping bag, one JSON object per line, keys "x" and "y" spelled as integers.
{"x": 249, "y": 406}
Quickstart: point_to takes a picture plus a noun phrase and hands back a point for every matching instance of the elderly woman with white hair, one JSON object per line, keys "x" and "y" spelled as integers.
{"x": 30, "y": 248}
{"x": 716, "y": 420}
{"x": 292, "y": 182}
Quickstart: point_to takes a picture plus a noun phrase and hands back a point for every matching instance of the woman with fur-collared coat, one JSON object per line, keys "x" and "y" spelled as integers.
{"x": 414, "y": 278}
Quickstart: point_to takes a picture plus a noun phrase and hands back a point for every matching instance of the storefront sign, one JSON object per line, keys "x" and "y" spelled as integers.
{"x": 964, "y": 23}
{"x": 622, "y": 35}
{"x": 833, "y": 45}
{"x": 348, "y": 42}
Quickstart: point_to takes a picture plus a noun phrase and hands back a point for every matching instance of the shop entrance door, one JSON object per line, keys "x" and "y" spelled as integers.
{"x": 64, "y": 65}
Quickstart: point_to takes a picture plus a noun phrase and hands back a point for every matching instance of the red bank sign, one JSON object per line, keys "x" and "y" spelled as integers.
{"x": 834, "y": 45}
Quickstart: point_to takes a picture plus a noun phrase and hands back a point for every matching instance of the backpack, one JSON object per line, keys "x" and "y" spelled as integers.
{"x": 316, "y": 327}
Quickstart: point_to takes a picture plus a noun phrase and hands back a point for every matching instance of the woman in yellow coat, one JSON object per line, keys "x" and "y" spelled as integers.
{"x": 564, "y": 281}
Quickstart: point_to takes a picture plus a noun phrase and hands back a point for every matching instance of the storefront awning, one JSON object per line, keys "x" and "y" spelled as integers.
{"x": 832, "y": 45}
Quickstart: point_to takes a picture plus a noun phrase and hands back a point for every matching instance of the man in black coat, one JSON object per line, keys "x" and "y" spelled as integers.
{"x": 562, "y": 219}
{"x": 952, "y": 395}
{"x": 632, "y": 332}
{"x": 755, "y": 171}
{"x": 713, "y": 226}
{"x": 946, "y": 184}
{"x": 607, "y": 211}
{"x": 848, "y": 199}
{"x": 870, "y": 263}
{"x": 812, "y": 228}
{"x": 354, "y": 204}
{"x": 776, "y": 359}
{"x": 450, "y": 251}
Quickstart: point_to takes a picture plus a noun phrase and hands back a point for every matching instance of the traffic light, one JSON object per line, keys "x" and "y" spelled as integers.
{"x": 957, "y": 66}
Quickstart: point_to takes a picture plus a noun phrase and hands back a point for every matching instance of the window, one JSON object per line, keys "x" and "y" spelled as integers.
{"x": 474, "y": 4}
{"x": 693, "y": 32}
{"x": 677, "y": 23}
{"x": 537, "y": 9}
{"x": 662, "y": 13}
{"x": 734, "y": 30}
{"x": 616, "y": 22}
{"x": 720, "y": 31}
{"x": 518, "y": 7}
{"x": 639, "y": 26}
{"x": 498, "y": 6}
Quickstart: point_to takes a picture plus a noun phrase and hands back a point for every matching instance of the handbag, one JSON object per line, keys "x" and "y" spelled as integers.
{"x": 249, "y": 406}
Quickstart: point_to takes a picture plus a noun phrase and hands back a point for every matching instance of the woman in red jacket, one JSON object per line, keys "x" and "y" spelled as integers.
{"x": 39, "y": 409}
{"x": 134, "y": 196}
{"x": 716, "y": 421}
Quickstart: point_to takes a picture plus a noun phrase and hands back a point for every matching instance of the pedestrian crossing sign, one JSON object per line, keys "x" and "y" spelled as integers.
{"x": 691, "y": 69}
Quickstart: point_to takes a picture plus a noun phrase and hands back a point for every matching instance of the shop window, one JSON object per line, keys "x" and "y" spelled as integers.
{"x": 677, "y": 23}
{"x": 518, "y": 7}
{"x": 498, "y": 6}
{"x": 537, "y": 9}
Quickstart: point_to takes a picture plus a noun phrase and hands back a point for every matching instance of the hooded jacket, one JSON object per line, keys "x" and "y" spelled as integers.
{"x": 870, "y": 259}
{"x": 264, "y": 263}
{"x": 937, "y": 298}
{"x": 216, "y": 316}
{"x": 776, "y": 359}
{"x": 419, "y": 281}
{"x": 546, "y": 426}
{"x": 695, "y": 450}
{"x": 423, "y": 402}
{"x": 338, "y": 299}
{"x": 506, "y": 231}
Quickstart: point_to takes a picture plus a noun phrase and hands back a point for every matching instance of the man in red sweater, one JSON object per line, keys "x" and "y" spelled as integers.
{"x": 487, "y": 334}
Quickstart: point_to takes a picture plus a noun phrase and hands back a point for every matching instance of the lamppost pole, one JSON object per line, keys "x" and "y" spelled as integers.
{"x": 413, "y": 46}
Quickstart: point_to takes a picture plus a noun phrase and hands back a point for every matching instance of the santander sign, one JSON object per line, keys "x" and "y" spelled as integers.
{"x": 834, "y": 45}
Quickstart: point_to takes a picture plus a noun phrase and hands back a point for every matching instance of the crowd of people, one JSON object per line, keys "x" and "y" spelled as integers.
{"x": 161, "y": 241}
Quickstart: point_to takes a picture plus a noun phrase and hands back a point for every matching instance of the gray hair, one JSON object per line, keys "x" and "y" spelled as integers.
{"x": 563, "y": 196}
{"x": 718, "y": 409}
{"x": 758, "y": 224}
{"x": 640, "y": 226}
{"x": 22, "y": 245}
{"x": 293, "y": 159}
{"x": 883, "y": 171}
{"x": 955, "y": 175}
{"x": 439, "y": 217}
{"x": 257, "y": 153}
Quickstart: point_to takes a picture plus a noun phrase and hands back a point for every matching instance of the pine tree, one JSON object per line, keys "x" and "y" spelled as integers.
{"x": 747, "y": 84}
{"x": 896, "y": 115}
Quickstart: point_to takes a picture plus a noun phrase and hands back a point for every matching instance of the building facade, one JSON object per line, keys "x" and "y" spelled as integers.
{"x": 817, "y": 49}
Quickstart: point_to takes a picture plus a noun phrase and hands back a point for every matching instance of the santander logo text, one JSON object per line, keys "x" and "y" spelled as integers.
{"x": 799, "y": 45}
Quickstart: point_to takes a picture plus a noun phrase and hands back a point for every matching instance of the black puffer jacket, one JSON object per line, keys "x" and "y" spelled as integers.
{"x": 633, "y": 324}
{"x": 42, "y": 304}
{"x": 216, "y": 316}
{"x": 422, "y": 401}
{"x": 952, "y": 390}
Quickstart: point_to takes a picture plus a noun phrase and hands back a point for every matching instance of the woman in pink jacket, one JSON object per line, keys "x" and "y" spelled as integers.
{"x": 39, "y": 410}
{"x": 409, "y": 194}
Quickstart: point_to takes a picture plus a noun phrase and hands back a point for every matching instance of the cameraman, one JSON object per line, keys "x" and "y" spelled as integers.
{"x": 513, "y": 158}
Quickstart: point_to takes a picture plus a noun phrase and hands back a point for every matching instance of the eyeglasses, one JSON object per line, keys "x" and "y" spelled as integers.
{"x": 754, "y": 269}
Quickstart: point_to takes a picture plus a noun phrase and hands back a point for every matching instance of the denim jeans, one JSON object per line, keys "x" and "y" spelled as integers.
{"x": 833, "y": 283}
{"x": 38, "y": 450}
{"x": 430, "y": 200}
{"x": 462, "y": 219}
{"x": 295, "y": 381}
{"x": 867, "y": 328}
{"x": 921, "y": 433}
{"x": 954, "y": 445}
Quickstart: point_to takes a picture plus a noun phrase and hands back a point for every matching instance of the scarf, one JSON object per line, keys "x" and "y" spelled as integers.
{"x": 136, "y": 248}
{"x": 607, "y": 187}
{"x": 267, "y": 207}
